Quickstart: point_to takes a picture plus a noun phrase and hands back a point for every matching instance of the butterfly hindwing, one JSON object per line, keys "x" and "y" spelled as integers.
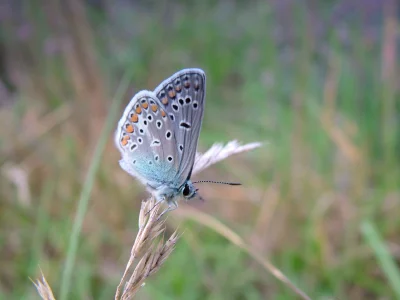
{"x": 146, "y": 140}
{"x": 183, "y": 97}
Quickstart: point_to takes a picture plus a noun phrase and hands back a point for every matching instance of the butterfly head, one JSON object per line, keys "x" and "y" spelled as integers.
{"x": 188, "y": 190}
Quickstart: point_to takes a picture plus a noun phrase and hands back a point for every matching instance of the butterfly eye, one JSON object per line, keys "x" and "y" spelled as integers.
{"x": 186, "y": 190}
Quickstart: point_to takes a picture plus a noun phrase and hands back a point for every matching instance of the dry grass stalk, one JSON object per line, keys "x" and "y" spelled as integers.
{"x": 44, "y": 289}
{"x": 153, "y": 255}
{"x": 233, "y": 237}
{"x": 147, "y": 255}
{"x": 219, "y": 152}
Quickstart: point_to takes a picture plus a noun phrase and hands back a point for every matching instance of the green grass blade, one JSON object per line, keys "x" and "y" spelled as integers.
{"x": 88, "y": 185}
{"x": 382, "y": 254}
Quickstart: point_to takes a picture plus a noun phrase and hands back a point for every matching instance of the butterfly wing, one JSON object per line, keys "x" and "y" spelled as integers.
{"x": 145, "y": 137}
{"x": 183, "y": 97}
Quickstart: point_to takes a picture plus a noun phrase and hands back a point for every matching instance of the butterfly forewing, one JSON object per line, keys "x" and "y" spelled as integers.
{"x": 146, "y": 140}
{"x": 183, "y": 97}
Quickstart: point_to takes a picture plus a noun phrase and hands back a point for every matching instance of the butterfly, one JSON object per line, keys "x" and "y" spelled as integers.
{"x": 158, "y": 132}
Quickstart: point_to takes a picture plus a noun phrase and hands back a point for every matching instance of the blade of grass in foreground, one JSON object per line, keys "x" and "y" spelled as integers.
{"x": 88, "y": 185}
{"x": 223, "y": 230}
{"x": 382, "y": 254}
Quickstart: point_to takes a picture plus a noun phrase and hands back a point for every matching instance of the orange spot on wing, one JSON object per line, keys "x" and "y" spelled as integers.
{"x": 129, "y": 128}
{"x": 154, "y": 107}
{"x": 171, "y": 94}
{"x": 134, "y": 118}
{"x": 145, "y": 105}
{"x": 178, "y": 88}
{"x": 163, "y": 114}
{"x": 125, "y": 140}
{"x": 164, "y": 100}
{"x": 138, "y": 110}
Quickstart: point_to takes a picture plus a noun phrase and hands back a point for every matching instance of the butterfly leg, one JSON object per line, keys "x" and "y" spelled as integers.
{"x": 171, "y": 206}
{"x": 158, "y": 201}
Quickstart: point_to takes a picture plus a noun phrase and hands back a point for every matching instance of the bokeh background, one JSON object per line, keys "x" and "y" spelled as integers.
{"x": 316, "y": 81}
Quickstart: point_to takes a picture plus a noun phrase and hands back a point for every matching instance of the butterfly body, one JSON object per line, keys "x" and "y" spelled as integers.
{"x": 158, "y": 132}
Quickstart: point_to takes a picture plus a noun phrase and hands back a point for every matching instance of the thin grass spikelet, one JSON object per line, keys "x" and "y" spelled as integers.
{"x": 148, "y": 252}
{"x": 44, "y": 288}
{"x": 219, "y": 152}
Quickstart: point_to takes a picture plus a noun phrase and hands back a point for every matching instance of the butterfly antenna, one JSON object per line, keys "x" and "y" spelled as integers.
{"x": 218, "y": 182}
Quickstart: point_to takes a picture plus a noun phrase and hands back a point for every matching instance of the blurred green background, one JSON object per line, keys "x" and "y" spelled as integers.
{"x": 316, "y": 81}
